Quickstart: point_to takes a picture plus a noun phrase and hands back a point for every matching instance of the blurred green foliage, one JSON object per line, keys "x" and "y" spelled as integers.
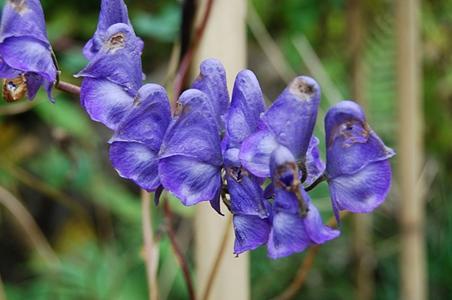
{"x": 55, "y": 160}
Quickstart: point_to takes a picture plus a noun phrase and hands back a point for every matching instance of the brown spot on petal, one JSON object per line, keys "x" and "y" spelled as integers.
{"x": 116, "y": 41}
{"x": 19, "y": 5}
{"x": 301, "y": 88}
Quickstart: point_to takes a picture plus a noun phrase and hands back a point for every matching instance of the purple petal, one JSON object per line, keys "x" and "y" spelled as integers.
{"x": 105, "y": 101}
{"x": 148, "y": 118}
{"x": 34, "y": 82}
{"x": 215, "y": 203}
{"x": 193, "y": 133}
{"x": 23, "y": 19}
{"x": 255, "y": 152}
{"x": 119, "y": 59}
{"x": 212, "y": 81}
{"x": 318, "y": 232}
{"x": 250, "y": 232}
{"x": 137, "y": 162}
{"x": 8, "y": 72}
{"x": 363, "y": 191}
{"x": 351, "y": 143}
{"x": 111, "y": 12}
{"x": 246, "y": 107}
{"x": 287, "y": 236}
{"x": 246, "y": 195}
{"x": 191, "y": 180}
{"x": 28, "y": 55}
{"x": 292, "y": 116}
{"x": 315, "y": 167}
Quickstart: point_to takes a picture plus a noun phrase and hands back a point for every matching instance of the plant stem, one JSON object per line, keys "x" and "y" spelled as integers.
{"x": 179, "y": 255}
{"x": 149, "y": 247}
{"x": 220, "y": 254}
{"x": 315, "y": 183}
{"x": 185, "y": 64}
{"x": 68, "y": 87}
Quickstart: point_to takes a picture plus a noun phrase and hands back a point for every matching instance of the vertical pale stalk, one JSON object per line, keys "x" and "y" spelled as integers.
{"x": 410, "y": 152}
{"x": 150, "y": 255}
{"x": 224, "y": 39}
{"x": 362, "y": 224}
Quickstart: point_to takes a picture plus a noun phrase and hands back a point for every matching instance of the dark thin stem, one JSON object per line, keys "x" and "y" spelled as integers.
{"x": 316, "y": 183}
{"x": 177, "y": 251}
{"x": 186, "y": 61}
{"x": 218, "y": 259}
{"x": 68, "y": 87}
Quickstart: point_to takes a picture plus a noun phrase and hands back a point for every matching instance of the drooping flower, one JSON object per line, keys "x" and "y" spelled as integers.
{"x": 357, "y": 164}
{"x": 191, "y": 157}
{"x": 111, "y": 12}
{"x": 25, "y": 51}
{"x": 296, "y": 222}
{"x": 113, "y": 76}
{"x": 136, "y": 143}
{"x": 289, "y": 122}
{"x": 247, "y": 203}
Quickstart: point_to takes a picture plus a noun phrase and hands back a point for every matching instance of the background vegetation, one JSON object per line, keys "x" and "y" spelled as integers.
{"x": 54, "y": 159}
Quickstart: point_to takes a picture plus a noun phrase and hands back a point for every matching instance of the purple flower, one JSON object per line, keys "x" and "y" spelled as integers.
{"x": 247, "y": 203}
{"x": 358, "y": 169}
{"x": 111, "y": 12}
{"x": 296, "y": 222}
{"x": 113, "y": 76}
{"x": 289, "y": 122}
{"x": 135, "y": 145}
{"x": 191, "y": 155}
{"x": 25, "y": 51}
{"x": 212, "y": 81}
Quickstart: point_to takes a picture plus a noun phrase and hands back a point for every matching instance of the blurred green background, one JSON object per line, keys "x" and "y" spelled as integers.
{"x": 55, "y": 160}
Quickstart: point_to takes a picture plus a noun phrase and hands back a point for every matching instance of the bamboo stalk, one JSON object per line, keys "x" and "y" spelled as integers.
{"x": 225, "y": 39}
{"x": 412, "y": 256}
{"x": 364, "y": 256}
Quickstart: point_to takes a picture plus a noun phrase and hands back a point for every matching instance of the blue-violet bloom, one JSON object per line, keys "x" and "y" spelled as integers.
{"x": 25, "y": 51}
{"x": 247, "y": 203}
{"x": 289, "y": 122}
{"x": 113, "y": 77}
{"x": 357, "y": 161}
{"x": 296, "y": 222}
{"x": 111, "y": 12}
{"x": 136, "y": 143}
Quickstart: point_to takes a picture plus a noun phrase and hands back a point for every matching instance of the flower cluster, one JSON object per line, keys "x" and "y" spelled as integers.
{"x": 26, "y": 57}
{"x": 215, "y": 147}
{"x": 261, "y": 162}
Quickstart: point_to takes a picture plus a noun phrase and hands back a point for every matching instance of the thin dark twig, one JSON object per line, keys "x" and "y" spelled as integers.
{"x": 291, "y": 291}
{"x": 184, "y": 66}
{"x": 68, "y": 87}
{"x": 177, "y": 251}
{"x": 218, "y": 259}
{"x": 316, "y": 183}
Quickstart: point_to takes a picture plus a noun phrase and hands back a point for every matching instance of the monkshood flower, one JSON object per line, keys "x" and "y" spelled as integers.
{"x": 296, "y": 222}
{"x": 247, "y": 203}
{"x": 25, "y": 52}
{"x": 111, "y": 12}
{"x": 136, "y": 143}
{"x": 191, "y": 156}
{"x": 289, "y": 122}
{"x": 357, "y": 169}
{"x": 113, "y": 76}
